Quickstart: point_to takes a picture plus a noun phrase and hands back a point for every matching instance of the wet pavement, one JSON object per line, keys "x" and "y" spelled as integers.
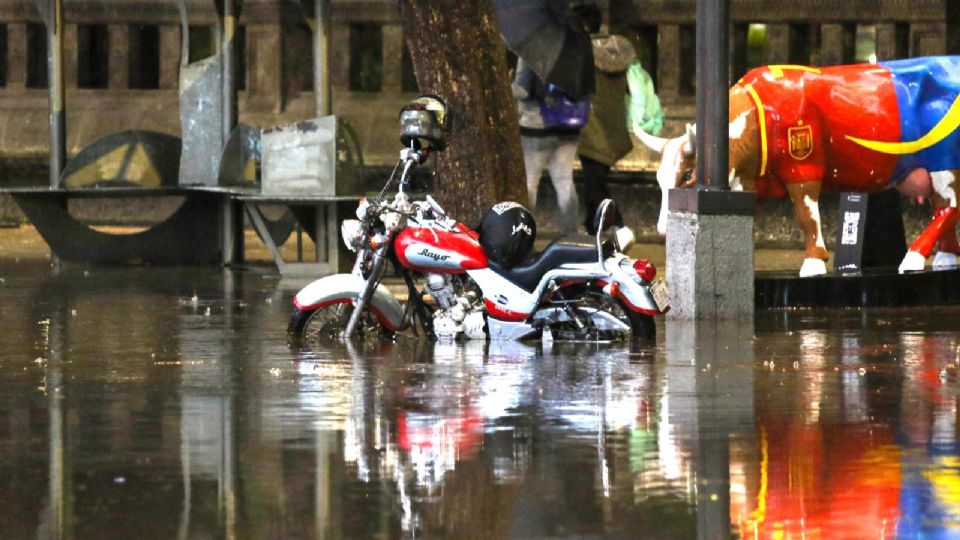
{"x": 167, "y": 403}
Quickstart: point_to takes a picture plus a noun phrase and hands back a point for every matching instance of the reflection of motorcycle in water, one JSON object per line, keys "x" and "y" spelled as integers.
{"x": 482, "y": 282}
{"x": 408, "y": 424}
{"x": 445, "y": 435}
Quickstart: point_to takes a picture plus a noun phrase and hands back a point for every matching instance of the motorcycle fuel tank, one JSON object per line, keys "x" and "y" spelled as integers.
{"x": 441, "y": 250}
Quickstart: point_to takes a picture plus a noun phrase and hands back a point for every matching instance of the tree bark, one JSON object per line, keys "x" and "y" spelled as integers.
{"x": 457, "y": 54}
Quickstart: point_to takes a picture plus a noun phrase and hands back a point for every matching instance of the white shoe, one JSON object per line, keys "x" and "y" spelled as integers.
{"x": 625, "y": 238}
{"x": 913, "y": 261}
{"x": 813, "y": 267}
{"x": 944, "y": 261}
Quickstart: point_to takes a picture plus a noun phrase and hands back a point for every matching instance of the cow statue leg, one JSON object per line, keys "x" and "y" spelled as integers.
{"x": 806, "y": 203}
{"x": 942, "y": 229}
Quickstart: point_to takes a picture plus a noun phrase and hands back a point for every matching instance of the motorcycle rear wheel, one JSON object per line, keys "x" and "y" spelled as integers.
{"x": 642, "y": 326}
{"x": 327, "y": 323}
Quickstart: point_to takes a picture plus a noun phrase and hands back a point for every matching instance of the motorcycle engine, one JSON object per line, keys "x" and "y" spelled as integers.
{"x": 440, "y": 288}
{"x": 457, "y": 313}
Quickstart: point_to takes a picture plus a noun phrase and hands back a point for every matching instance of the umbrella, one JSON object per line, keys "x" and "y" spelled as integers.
{"x": 549, "y": 37}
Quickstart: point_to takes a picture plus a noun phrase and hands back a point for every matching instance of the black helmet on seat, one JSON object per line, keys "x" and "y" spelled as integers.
{"x": 424, "y": 123}
{"x": 507, "y": 233}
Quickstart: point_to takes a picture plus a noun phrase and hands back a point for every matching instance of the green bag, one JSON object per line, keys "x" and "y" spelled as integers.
{"x": 643, "y": 105}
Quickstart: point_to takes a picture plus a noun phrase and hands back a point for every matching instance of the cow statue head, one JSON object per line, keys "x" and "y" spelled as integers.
{"x": 677, "y": 165}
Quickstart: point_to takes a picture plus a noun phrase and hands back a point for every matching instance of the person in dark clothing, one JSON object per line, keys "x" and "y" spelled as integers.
{"x": 622, "y": 97}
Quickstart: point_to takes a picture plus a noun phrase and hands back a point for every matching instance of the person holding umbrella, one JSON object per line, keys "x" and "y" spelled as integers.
{"x": 553, "y": 78}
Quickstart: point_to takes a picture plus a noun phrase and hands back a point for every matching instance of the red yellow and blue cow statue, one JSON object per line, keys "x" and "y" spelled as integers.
{"x": 797, "y": 130}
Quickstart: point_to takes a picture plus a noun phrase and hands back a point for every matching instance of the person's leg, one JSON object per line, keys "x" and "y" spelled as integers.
{"x": 535, "y": 155}
{"x": 561, "y": 174}
{"x": 595, "y": 189}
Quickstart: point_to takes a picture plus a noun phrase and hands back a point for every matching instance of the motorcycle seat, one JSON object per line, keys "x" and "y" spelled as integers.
{"x": 579, "y": 249}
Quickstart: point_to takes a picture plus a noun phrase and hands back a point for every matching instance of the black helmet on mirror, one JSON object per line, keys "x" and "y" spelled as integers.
{"x": 424, "y": 123}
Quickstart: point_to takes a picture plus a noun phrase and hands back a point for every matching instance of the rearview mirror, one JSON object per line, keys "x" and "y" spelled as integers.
{"x": 605, "y": 215}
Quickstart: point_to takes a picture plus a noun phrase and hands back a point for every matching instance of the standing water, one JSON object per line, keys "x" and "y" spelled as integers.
{"x": 167, "y": 403}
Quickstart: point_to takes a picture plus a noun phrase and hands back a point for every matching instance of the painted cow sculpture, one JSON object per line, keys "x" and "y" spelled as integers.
{"x": 797, "y": 130}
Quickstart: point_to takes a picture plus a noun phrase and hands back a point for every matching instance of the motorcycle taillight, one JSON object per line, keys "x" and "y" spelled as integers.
{"x": 645, "y": 269}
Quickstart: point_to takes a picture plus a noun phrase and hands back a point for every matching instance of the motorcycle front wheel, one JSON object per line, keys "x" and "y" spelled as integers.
{"x": 597, "y": 308}
{"x": 327, "y": 323}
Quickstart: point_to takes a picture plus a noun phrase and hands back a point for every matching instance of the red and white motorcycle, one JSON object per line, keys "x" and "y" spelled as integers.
{"x": 481, "y": 284}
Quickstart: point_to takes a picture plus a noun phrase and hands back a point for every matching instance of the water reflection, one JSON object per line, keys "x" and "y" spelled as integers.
{"x": 167, "y": 404}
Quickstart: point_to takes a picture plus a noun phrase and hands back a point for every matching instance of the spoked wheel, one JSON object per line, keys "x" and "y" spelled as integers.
{"x": 600, "y": 317}
{"x": 327, "y": 323}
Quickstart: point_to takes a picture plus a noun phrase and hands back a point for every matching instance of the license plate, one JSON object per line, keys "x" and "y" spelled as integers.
{"x": 660, "y": 295}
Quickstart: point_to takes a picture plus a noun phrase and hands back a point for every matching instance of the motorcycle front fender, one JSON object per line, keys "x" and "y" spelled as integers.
{"x": 347, "y": 288}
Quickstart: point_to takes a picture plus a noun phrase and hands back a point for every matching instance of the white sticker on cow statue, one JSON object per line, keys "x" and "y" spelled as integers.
{"x": 850, "y": 228}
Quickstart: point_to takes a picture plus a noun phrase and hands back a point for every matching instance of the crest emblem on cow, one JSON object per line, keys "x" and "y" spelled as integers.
{"x": 797, "y": 130}
{"x": 800, "y": 142}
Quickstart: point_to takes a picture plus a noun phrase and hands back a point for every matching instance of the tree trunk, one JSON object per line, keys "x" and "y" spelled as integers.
{"x": 457, "y": 54}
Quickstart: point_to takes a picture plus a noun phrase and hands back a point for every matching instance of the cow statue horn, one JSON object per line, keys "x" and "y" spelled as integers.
{"x": 651, "y": 141}
{"x": 691, "y": 148}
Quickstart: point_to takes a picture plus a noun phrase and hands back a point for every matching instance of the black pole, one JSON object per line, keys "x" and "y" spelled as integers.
{"x": 228, "y": 55}
{"x": 713, "y": 23}
{"x": 321, "y": 58}
{"x": 58, "y": 115}
{"x": 953, "y": 26}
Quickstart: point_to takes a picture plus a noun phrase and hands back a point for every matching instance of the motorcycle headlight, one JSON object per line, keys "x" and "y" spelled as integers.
{"x": 351, "y": 230}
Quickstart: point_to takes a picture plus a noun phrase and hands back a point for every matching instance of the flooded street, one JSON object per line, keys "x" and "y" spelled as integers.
{"x": 167, "y": 403}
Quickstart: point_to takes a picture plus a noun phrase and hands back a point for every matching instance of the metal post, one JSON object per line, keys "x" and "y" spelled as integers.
{"x": 227, "y": 51}
{"x": 321, "y": 58}
{"x": 713, "y": 30}
{"x": 58, "y": 117}
{"x": 710, "y": 229}
{"x": 953, "y": 26}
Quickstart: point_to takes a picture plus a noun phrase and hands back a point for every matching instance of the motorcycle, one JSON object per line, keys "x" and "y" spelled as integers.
{"x": 478, "y": 285}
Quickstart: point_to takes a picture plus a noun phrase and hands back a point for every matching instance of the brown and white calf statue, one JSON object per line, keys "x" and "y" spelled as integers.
{"x": 797, "y": 130}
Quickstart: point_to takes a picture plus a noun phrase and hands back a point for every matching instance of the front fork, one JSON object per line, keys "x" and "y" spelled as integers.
{"x": 376, "y": 274}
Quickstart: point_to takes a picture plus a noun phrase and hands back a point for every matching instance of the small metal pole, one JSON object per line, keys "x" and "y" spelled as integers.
{"x": 228, "y": 54}
{"x": 58, "y": 115}
{"x": 321, "y": 58}
{"x": 299, "y": 230}
{"x": 713, "y": 30}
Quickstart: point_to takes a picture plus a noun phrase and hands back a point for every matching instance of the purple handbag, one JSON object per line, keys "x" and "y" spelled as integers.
{"x": 559, "y": 110}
